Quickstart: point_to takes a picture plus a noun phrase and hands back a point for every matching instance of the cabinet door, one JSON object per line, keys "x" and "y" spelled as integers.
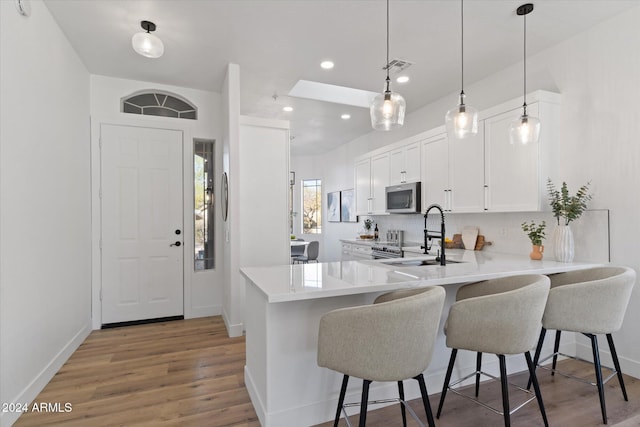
{"x": 396, "y": 167}
{"x": 379, "y": 182}
{"x": 412, "y": 162}
{"x": 466, "y": 173}
{"x": 404, "y": 164}
{"x": 512, "y": 171}
{"x": 435, "y": 171}
{"x": 363, "y": 187}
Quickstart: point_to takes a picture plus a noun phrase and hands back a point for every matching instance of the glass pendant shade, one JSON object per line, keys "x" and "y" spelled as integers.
{"x": 461, "y": 121}
{"x": 387, "y": 111}
{"x": 147, "y": 44}
{"x": 524, "y": 130}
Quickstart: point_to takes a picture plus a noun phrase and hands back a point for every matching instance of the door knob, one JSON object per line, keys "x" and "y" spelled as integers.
{"x": 176, "y": 244}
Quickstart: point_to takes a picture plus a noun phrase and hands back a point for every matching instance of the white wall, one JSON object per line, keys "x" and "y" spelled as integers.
{"x": 597, "y": 74}
{"x": 45, "y": 205}
{"x": 232, "y": 310}
{"x": 203, "y": 289}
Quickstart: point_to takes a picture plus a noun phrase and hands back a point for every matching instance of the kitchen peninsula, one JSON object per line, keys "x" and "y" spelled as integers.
{"x": 283, "y": 309}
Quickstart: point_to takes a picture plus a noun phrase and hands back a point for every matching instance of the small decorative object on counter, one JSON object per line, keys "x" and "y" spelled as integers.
{"x": 569, "y": 208}
{"x": 366, "y": 232}
{"x": 536, "y": 235}
{"x": 375, "y": 232}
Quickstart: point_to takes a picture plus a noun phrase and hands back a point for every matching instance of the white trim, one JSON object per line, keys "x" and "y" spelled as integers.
{"x": 34, "y": 388}
{"x": 627, "y": 366}
{"x": 266, "y": 123}
{"x": 234, "y": 330}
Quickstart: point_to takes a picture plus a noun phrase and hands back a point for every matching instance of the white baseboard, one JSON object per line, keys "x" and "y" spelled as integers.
{"x": 206, "y": 311}
{"x": 31, "y": 391}
{"x": 234, "y": 330}
{"x": 628, "y": 366}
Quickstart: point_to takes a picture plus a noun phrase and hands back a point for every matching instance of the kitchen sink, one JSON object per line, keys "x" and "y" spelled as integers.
{"x": 418, "y": 262}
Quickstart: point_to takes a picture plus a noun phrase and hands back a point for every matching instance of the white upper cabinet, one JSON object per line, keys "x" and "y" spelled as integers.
{"x": 481, "y": 173}
{"x": 372, "y": 178}
{"x": 404, "y": 164}
{"x": 466, "y": 173}
{"x": 435, "y": 171}
{"x": 453, "y": 172}
{"x": 379, "y": 182}
{"x": 516, "y": 174}
{"x": 363, "y": 186}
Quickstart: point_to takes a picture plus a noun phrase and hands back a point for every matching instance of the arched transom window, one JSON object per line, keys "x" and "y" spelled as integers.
{"x": 158, "y": 103}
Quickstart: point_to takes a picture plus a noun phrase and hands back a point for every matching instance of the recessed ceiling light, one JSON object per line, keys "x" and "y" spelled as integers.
{"x": 288, "y": 109}
{"x": 327, "y": 65}
{"x": 402, "y": 79}
{"x": 345, "y": 116}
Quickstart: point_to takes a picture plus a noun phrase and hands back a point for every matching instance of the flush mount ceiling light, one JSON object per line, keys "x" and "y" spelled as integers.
{"x": 147, "y": 44}
{"x": 288, "y": 109}
{"x": 327, "y": 65}
{"x": 387, "y": 109}
{"x": 345, "y": 116}
{"x": 525, "y": 129}
{"x": 462, "y": 120}
{"x": 402, "y": 79}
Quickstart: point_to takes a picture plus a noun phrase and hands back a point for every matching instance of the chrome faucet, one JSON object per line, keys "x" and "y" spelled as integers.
{"x": 428, "y": 236}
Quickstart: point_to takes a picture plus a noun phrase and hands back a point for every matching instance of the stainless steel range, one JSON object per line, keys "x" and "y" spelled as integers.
{"x": 382, "y": 250}
{"x": 392, "y": 248}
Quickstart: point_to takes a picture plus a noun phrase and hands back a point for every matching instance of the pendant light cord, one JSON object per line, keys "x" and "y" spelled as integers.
{"x": 462, "y": 47}
{"x": 387, "y": 66}
{"x": 525, "y": 65}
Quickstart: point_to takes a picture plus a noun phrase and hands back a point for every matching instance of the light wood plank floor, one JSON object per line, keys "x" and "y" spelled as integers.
{"x": 189, "y": 373}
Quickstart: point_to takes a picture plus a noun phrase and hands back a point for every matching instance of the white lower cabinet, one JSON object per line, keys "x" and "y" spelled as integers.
{"x": 355, "y": 251}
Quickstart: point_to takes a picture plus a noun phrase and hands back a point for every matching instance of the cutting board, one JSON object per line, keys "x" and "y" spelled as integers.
{"x": 469, "y": 237}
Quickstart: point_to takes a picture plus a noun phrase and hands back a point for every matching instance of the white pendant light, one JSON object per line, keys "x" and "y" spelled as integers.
{"x": 462, "y": 120}
{"x": 147, "y": 44}
{"x": 526, "y": 129}
{"x": 388, "y": 108}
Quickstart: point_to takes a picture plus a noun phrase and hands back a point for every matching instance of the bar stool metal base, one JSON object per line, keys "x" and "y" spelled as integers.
{"x": 365, "y": 402}
{"x": 599, "y": 382}
{"x": 506, "y": 411}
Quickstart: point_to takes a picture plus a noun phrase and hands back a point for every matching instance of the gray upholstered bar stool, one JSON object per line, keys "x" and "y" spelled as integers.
{"x": 499, "y": 316}
{"x": 590, "y": 302}
{"x": 390, "y": 340}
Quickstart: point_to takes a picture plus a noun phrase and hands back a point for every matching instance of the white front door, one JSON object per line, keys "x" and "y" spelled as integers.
{"x": 142, "y": 229}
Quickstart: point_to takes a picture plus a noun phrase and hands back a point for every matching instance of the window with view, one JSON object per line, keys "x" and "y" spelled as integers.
{"x": 203, "y": 196}
{"x": 312, "y": 206}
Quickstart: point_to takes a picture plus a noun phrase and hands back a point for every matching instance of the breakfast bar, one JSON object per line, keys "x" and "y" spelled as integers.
{"x": 283, "y": 309}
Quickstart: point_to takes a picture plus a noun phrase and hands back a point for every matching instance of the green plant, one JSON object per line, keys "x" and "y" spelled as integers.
{"x": 535, "y": 232}
{"x": 568, "y": 207}
{"x": 368, "y": 223}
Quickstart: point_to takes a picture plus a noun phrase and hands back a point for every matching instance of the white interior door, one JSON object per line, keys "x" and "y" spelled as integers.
{"x": 142, "y": 224}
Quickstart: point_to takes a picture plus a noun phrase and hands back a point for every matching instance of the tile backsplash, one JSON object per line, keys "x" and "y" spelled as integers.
{"x": 503, "y": 230}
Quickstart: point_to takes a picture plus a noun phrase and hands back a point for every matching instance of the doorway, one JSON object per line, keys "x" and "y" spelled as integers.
{"x": 142, "y": 251}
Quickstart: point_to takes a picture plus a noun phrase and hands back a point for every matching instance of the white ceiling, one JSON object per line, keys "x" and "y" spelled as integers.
{"x": 278, "y": 42}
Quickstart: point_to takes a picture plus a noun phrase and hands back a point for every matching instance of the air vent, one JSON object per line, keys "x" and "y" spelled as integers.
{"x": 397, "y": 65}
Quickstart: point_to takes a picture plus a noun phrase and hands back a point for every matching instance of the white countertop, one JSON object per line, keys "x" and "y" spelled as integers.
{"x": 321, "y": 280}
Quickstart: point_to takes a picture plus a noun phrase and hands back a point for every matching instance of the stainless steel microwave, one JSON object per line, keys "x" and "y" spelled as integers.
{"x": 403, "y": 198}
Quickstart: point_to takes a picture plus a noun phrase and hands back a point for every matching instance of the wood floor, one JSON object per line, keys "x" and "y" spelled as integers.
{"x": 189, "y": 373}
